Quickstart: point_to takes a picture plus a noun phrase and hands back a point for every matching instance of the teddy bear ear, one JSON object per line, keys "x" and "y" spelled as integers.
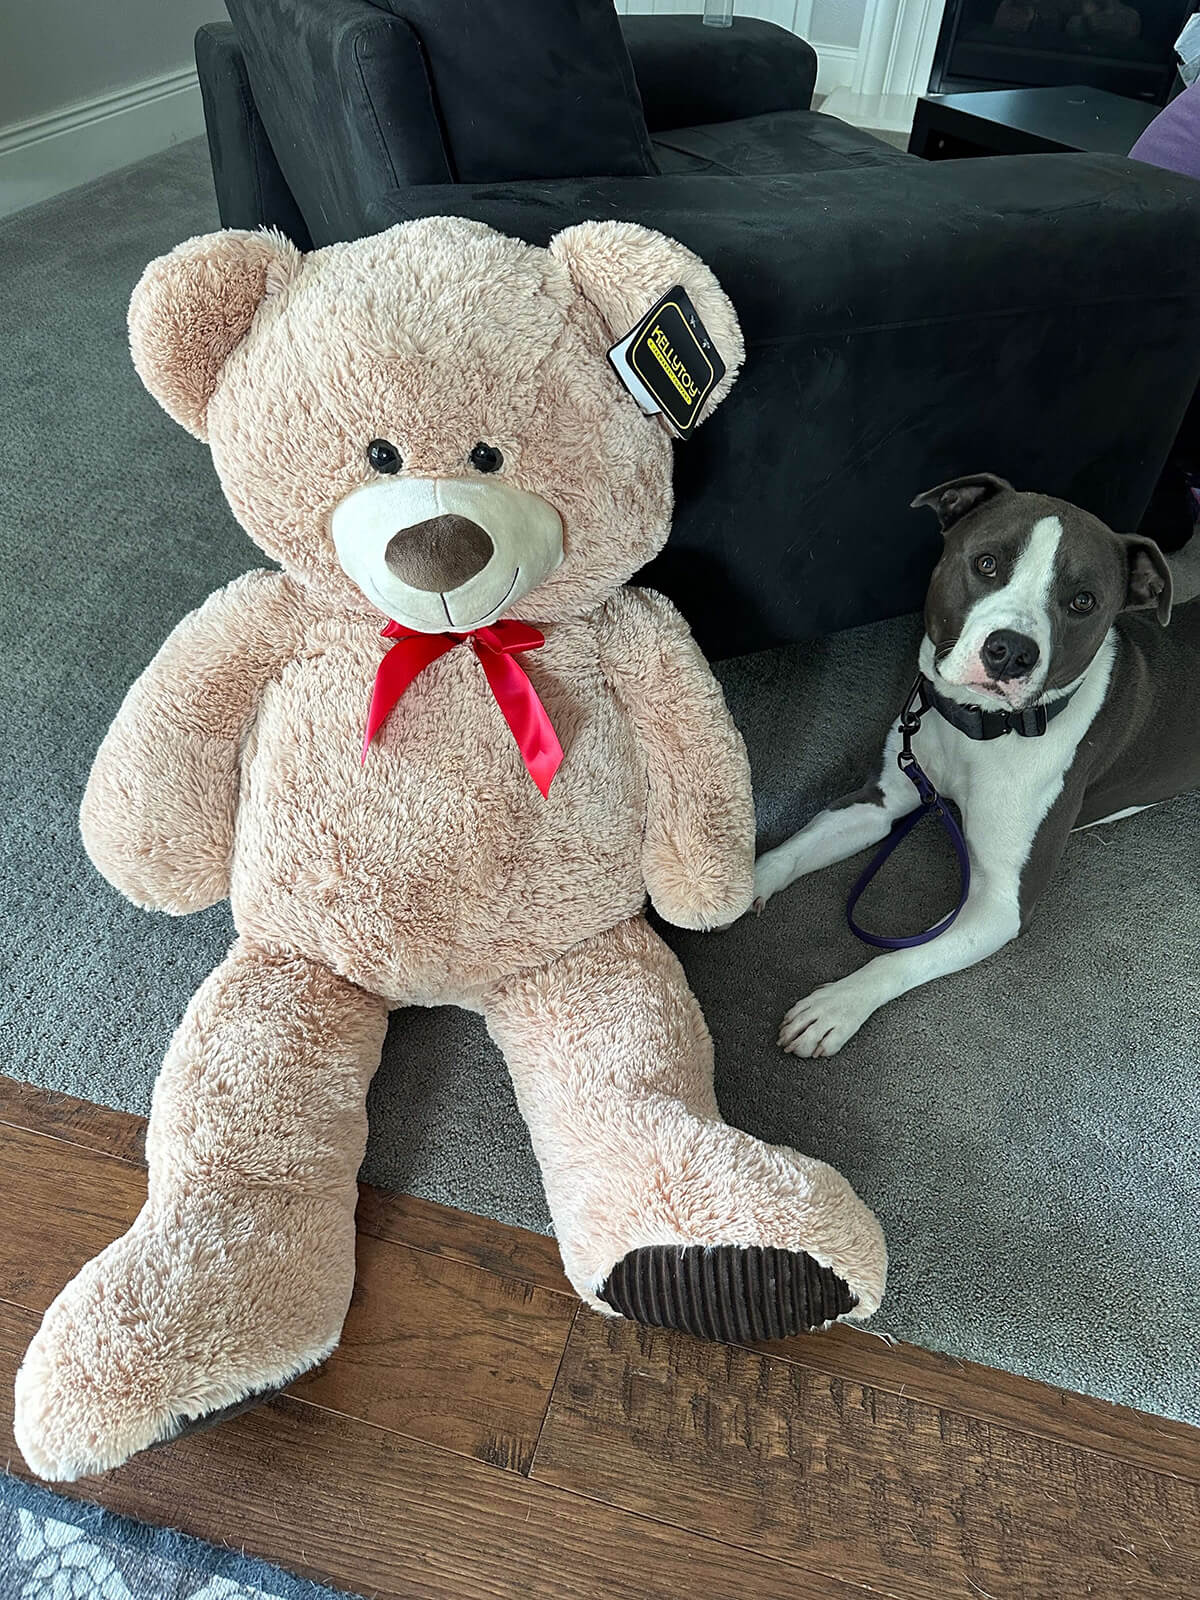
{"x": 193, "y": 306}
{"x": 622, "y": 269}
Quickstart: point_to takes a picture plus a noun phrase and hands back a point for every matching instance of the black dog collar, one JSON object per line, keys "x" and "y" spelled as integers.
{"x": 977, "y": 723}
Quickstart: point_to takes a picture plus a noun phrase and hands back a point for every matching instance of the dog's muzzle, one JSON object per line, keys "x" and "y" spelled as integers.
{"x": 438, "y": 553}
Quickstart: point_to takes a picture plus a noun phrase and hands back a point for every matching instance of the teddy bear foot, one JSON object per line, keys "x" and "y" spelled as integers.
{"x": 210, "y": 1419}
{"x": 731, "y": 1293}
{"x": 81, "y": 1410}
{"x": 63, "y": 1437}
{"x": 202, "y": 1310}
{"x": 68, "y": 1425}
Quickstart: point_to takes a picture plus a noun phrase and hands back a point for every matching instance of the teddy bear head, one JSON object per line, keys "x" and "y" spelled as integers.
{"x": 425, "y": 422}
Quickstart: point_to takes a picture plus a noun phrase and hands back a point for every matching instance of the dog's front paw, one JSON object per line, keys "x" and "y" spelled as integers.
{"x": 821, "y": 1024}
{"x": 772, "y": 871}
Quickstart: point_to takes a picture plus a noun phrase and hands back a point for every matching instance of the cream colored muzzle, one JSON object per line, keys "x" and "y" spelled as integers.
{"x": 411, "y": 526}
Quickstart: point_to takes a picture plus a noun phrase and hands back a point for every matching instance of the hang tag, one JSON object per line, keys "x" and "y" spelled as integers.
{"x": 668, "y": 363}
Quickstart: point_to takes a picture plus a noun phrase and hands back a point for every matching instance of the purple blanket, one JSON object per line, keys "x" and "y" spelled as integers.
{"x": 1173, "y": 139}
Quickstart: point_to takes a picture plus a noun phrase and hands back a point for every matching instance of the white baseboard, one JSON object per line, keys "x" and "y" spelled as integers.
{"x": 835, "y": 66}
{"x": 48, "y": 154}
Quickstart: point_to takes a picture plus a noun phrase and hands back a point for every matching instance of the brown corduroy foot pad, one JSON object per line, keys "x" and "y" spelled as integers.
{"x": 727, "y": 1292}
{"x": 210, "y": 1419}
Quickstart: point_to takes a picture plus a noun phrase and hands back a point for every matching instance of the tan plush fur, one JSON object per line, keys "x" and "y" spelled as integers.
{"x": 436, "y": 872}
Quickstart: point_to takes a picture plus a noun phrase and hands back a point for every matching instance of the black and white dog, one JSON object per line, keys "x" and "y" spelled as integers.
{"x": 1052, "y": 704}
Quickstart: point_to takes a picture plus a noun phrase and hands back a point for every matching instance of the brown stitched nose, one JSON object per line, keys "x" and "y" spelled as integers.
{"x": 441, "y": 554}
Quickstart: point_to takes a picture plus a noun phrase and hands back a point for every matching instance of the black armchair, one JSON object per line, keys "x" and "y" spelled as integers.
{"x": 322, "y": 106}
{"x": 1037, "y": 316}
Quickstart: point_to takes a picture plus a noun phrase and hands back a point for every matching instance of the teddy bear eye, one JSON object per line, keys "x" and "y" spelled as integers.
{"x": 383, "y": 456}
{"x": 486, "y": 458}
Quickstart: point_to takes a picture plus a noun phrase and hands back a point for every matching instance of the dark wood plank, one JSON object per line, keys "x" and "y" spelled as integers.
{"x": 990, "y": 1395}
{"x": 353, "y": 1505}
{"x": 445, "y": 1353}
{"x": 905, "y": 1471}
{"x": 61, "y": 1204}
{"x": 532, "y": 1258}
{"x": 478, "y": 1241}
{"x": 113, "y": 1133}
{"x": 888, "y": 1491}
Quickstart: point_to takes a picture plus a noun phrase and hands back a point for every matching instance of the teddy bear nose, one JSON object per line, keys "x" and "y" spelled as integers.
{"x": 442, "y": 553}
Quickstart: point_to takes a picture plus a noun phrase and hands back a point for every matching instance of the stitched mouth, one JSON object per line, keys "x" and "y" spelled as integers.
{"x": 493, "y": 611}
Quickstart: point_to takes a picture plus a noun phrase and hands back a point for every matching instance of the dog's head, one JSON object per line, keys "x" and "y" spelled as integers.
{"x": 1026, "y": 590}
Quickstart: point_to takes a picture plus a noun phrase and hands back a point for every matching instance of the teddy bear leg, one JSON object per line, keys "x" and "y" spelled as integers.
{"x": 236, "y": 1275}
{"x": 663, "y": 1212}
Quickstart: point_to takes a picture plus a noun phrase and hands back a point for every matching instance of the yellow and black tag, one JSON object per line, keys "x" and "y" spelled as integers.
{"x": 668, "y": 363}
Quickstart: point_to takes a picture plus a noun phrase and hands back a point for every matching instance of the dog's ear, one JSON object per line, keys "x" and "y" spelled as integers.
{"x": 953, "y": 500}
{"x": 1149, "y": 577}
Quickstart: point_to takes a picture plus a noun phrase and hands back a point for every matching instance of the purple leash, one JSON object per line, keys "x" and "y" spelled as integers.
{"x": 931, "y": 804}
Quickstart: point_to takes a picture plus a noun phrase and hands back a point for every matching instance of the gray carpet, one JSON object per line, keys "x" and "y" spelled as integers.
{"x": 1027, "y": 1130}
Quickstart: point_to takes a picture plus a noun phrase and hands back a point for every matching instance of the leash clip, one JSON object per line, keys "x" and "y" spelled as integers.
{"x": 911, "y": 712}
{"x": 914, "y": 709}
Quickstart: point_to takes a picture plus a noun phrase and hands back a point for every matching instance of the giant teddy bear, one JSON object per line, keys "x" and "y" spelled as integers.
{"x": 424, "y": 430}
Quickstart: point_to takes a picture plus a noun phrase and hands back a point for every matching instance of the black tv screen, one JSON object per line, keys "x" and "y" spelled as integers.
{"x": 1121, "y": 45}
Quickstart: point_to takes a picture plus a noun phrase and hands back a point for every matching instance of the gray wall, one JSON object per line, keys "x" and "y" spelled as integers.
{"x": 55, "y": 53}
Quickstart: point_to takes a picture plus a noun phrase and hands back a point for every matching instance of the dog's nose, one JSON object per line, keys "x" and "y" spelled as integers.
{"x": 441, "y": 554}
{"x": 1008, "y": 655}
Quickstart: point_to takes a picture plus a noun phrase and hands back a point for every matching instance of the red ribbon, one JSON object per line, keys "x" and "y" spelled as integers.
{"x": 497, "y": 647}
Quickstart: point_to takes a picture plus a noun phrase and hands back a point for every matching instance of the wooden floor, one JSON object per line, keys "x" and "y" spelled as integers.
{"x": 479, "y": 1434}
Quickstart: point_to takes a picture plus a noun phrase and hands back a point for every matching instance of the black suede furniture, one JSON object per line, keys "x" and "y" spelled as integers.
{"x": 906, "y": 321}
{"x": 326, "y": 104}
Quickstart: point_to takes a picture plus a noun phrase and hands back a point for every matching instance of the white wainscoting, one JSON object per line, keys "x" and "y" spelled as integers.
{"x": 48, "y": 154}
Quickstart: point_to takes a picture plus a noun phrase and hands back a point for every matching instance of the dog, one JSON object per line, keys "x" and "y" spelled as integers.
{"x": 1054, "y": 701}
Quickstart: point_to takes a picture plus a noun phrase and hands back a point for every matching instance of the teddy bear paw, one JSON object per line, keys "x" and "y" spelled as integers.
{"x": 731, "y": 1293}
{"x": 693, "y": 893}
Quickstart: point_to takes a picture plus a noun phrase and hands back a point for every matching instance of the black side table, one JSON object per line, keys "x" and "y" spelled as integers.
{"x": 1014, "y": 122}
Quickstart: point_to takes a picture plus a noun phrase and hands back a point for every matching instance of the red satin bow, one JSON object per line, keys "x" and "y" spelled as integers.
{"x": 497, "y": 647}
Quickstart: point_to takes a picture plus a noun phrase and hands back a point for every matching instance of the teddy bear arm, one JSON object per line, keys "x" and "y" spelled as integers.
{"x": 698, "y": 847}
{"x": 159, "y": 809}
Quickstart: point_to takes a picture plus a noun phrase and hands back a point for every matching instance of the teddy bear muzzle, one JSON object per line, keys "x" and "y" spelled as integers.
{"x": 438, "y": 553}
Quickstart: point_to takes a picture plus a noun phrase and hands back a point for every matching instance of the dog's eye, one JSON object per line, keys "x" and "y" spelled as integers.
{"x": 383, "y": 456}
{"x": 486, "y": 458}
{"x": 1083, "y": 602}
{"x": 985, "y": 566}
